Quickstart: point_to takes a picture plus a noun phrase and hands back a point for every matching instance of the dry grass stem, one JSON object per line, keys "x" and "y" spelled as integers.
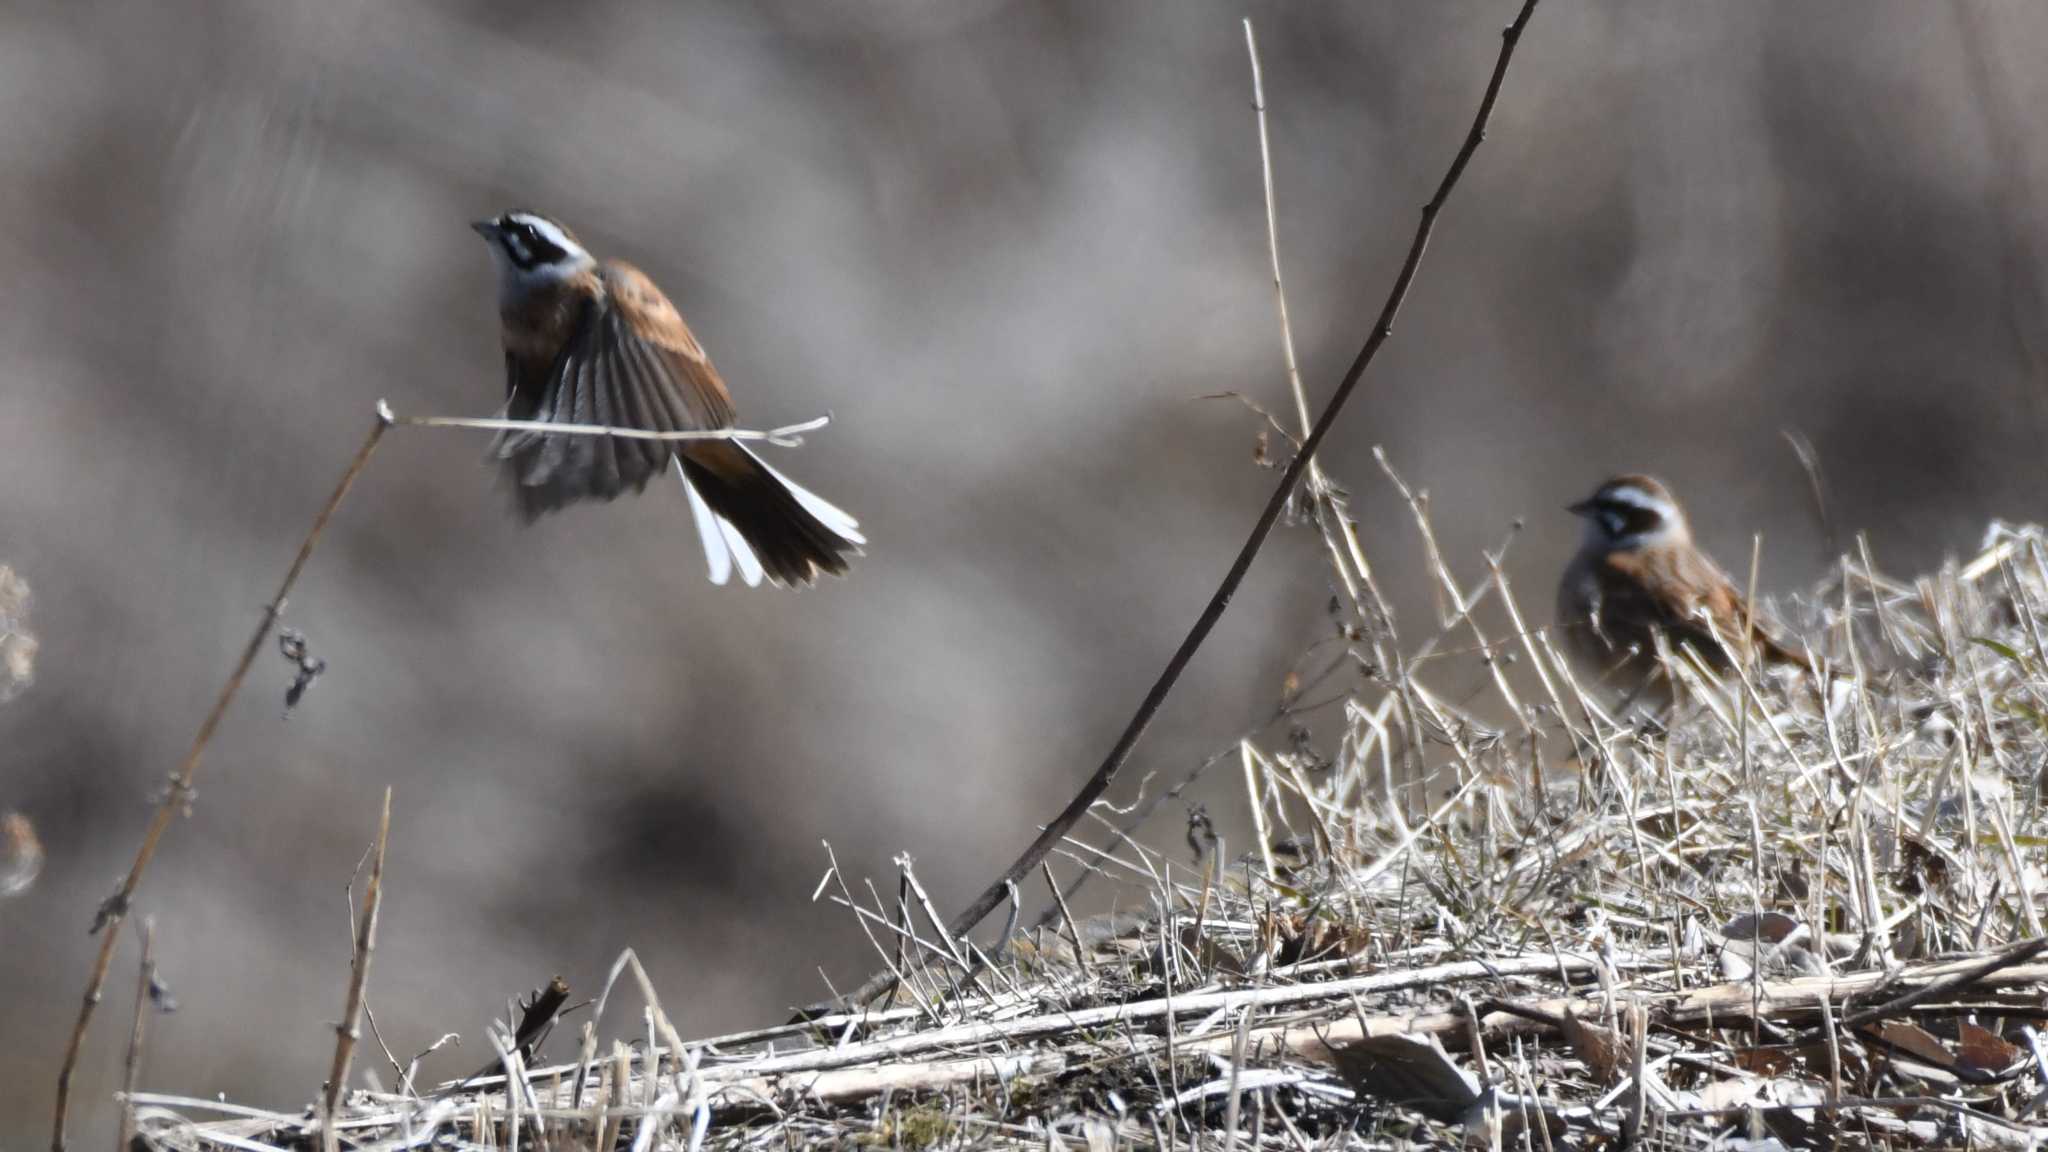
{"x": 349, "y": 1029}
{"x": 786, "y": 436}
{"x": 131, "y": 1068}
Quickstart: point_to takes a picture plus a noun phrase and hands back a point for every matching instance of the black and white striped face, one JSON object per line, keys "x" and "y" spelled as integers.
{"x": 531, "y": 251}
{"x": 1631, "y": 512}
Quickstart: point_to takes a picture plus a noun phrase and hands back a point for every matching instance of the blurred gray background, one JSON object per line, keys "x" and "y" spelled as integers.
{"x": 1007, "y": 245}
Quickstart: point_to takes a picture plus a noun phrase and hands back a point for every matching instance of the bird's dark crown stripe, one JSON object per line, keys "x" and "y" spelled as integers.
{"x": 528, "y": 246}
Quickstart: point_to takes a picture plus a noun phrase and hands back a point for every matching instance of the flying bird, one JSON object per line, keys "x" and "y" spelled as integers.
{"x": 595, "y": 342}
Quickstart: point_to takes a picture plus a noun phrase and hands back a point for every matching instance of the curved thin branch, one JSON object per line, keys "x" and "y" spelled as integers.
{"x": 1104, "y": 775}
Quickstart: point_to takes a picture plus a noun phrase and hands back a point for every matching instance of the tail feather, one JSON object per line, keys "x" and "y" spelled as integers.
{"x": 764, "y": 523}
{"x": 743, "y": 556}
{"x": 832, "y": 517}
{"x": 716, "y": 555}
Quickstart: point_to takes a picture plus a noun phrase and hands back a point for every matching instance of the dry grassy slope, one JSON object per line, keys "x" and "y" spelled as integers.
{"x": 1758, "y": 903}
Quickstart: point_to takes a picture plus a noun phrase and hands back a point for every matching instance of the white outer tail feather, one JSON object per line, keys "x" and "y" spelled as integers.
{"x": 833, "y": 518}
{"x": 712, "y": 533}
{"x": 742, "y": 553}
{"x": 725, "y": 548}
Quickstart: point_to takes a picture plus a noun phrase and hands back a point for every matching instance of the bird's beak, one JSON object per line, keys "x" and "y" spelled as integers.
{"x": 484, "y": 228}
{"x": 1582, "y": 508}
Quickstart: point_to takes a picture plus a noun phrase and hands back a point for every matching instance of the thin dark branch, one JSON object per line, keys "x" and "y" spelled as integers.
{"x": 108, "y": 919}
{"x": 1383, "y": 328}
{"x": 539, "y": 1017}
{"x": 2016, "y": 955}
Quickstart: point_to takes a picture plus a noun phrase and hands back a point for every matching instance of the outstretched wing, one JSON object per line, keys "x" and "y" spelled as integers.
{"x": 652, "y": 336}
{"x": 630, "y": 362}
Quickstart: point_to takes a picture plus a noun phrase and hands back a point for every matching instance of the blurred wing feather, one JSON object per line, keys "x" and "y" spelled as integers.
{"x": 629, "y": 362}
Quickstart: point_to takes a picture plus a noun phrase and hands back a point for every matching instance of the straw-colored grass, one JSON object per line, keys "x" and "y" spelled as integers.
{"x": 1761, "y": 912}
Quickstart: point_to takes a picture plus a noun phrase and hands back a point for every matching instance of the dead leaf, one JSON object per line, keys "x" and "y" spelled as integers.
{"x": 1601, "y": 1048}
{"x": 1982, "y": 1050}
{"x": 1917, "y": 1052}
{"x": 1410, "y": 1071}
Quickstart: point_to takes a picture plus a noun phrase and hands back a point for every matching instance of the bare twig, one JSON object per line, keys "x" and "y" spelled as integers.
{"x": 2012, "y": 957}
{"x": 629, "y": 959}
{"x": 1816, "y": 488}
{"x": 1073, "y": 930}
{"x": 786, "y": 436}
{"x": 1251, "y": 47}
{"x": 131, "y": 1071}
{"x": 1242, "y": 1040}
{"x": 349, "y": 1028}
{"x": 539, "y": 1016}
{"x": 931, "y": 913}
{"x": 1333, "y": 517}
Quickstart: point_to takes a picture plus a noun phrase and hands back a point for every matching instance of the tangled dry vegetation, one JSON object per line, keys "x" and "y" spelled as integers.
{"x": 1762, "y": 920}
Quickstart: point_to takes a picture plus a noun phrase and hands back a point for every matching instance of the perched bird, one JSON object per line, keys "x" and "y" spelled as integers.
{"x": 1639, "y": 573}
{"x": 595, "y": 342}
